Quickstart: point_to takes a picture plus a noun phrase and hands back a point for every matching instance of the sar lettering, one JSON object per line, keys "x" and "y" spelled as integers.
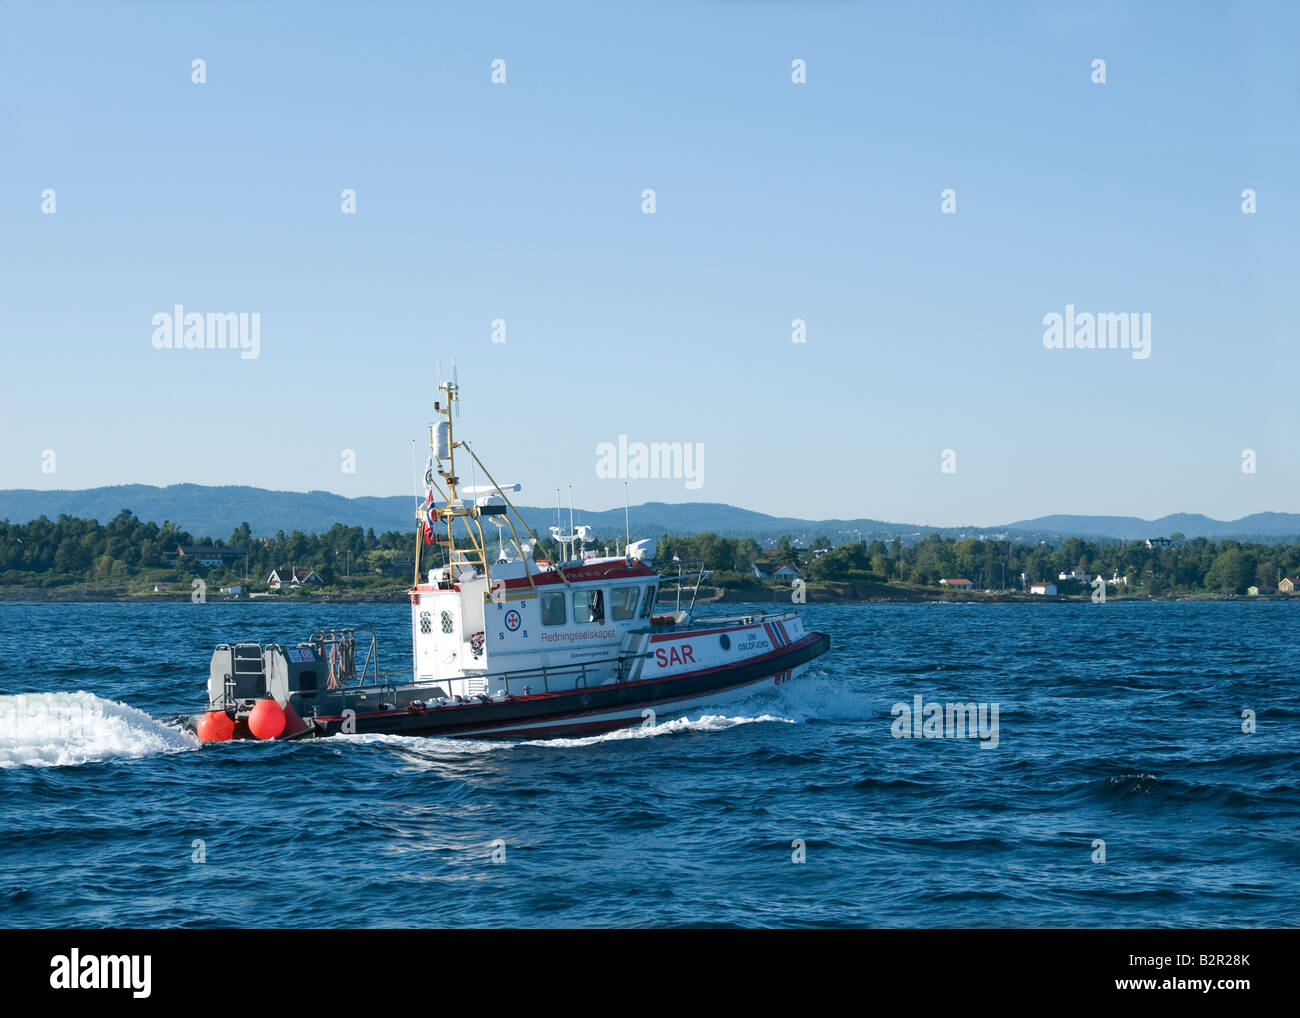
{"x": 675, "y": 656}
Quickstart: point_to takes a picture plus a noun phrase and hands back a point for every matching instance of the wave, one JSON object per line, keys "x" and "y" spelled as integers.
{"x": 1137, "y": 786}
{"x": 815, "y": 698}
{"x": 441, "y": 746}
{"x": 68, "y": 729}
{"x": 810, "y": 698}
{"x": 705, "y": 723}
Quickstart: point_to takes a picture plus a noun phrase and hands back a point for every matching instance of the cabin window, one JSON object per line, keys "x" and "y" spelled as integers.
{"x": 553, "y": 609}
{"x": 588, "y": 606}
{"x": 622, "y": 602}
{"x": 648, "y": 605}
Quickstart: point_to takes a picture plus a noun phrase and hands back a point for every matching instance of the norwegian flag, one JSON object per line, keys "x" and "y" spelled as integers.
{"x": 430, "y": 516}
{"x": 430, "y": 519}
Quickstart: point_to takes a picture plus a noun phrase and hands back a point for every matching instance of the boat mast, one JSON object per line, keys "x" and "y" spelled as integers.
{"x": 442, "y": 449}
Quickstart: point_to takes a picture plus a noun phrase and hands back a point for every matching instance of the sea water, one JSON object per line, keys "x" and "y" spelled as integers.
{"x": 1144, "y": 773}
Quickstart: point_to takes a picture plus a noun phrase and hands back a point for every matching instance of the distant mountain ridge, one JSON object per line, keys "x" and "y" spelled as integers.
{"x": 1128, "y": 528}
{"x": 217, "y": 510}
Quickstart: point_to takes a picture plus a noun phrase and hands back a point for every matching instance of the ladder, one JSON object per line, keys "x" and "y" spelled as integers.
{"x": 247, "y": 671}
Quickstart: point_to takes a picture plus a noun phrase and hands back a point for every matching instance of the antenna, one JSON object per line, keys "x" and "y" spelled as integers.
{"x": 415, "y": 484}
{"x": 455, "y": 380}
{"x": 627, "y": 520}
{"x": 473, "y": 466}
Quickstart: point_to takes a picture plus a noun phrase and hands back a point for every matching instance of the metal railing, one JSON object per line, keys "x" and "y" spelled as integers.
{"x": 564, "y": 677}
{"x": 699, "y": 574}
{"x": 709, "y": 621}
{"x": 521, "y": 679}
{"x": 581, "y": 674}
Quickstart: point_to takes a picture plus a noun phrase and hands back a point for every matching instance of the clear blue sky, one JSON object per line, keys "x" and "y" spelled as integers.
{"x": 775, "y": 201}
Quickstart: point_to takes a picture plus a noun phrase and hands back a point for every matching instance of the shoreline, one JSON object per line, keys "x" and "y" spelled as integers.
{"x": 725, "y": 597}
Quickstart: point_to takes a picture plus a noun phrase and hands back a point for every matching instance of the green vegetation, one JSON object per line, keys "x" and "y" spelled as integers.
{"x": 1185, "y": 567}
{"x": 76, "y": 557}
{"x": 127, "y": 556}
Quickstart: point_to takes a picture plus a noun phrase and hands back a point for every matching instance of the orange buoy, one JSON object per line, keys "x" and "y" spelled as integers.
{"x": 266, "y": 719}
{"x": 216, "y": 726}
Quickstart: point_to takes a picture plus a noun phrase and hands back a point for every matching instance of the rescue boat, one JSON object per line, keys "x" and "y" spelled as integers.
{"x": 506, "y": 645}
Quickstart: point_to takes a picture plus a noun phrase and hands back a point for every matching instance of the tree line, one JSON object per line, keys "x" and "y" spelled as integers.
{"x": 71, "y": 551}
{"x": 1198, "y": 565}
{"x": 127, "y": 552}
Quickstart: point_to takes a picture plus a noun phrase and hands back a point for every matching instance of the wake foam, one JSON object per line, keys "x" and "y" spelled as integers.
{"x": 817, "y": 697}
{"x": 705, "y": 723}
{"x": 442, "y": 746}
{"x": 66, "y": 729}
{"x": 806, "y": 698}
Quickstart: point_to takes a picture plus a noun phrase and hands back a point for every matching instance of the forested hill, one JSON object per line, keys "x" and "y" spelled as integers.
{"x": 218, "y": 510}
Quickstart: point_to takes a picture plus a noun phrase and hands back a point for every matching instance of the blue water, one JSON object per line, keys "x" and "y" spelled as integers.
{"x": 1120, "y": 722}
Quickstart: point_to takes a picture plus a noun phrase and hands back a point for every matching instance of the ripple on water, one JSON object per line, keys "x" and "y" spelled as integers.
{"x": 1122, "y": 723}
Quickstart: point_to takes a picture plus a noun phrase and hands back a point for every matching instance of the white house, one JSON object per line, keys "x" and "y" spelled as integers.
{"x": 958, "y": 584}
{"x": 784, "y": 571}
{"x": 1076, "y": 574}
{"x": 294, "y": 577}
{"x": 1046, "y": 587}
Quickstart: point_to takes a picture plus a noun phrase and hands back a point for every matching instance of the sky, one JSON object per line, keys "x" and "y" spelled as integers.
{"x": 922, "y": 390}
